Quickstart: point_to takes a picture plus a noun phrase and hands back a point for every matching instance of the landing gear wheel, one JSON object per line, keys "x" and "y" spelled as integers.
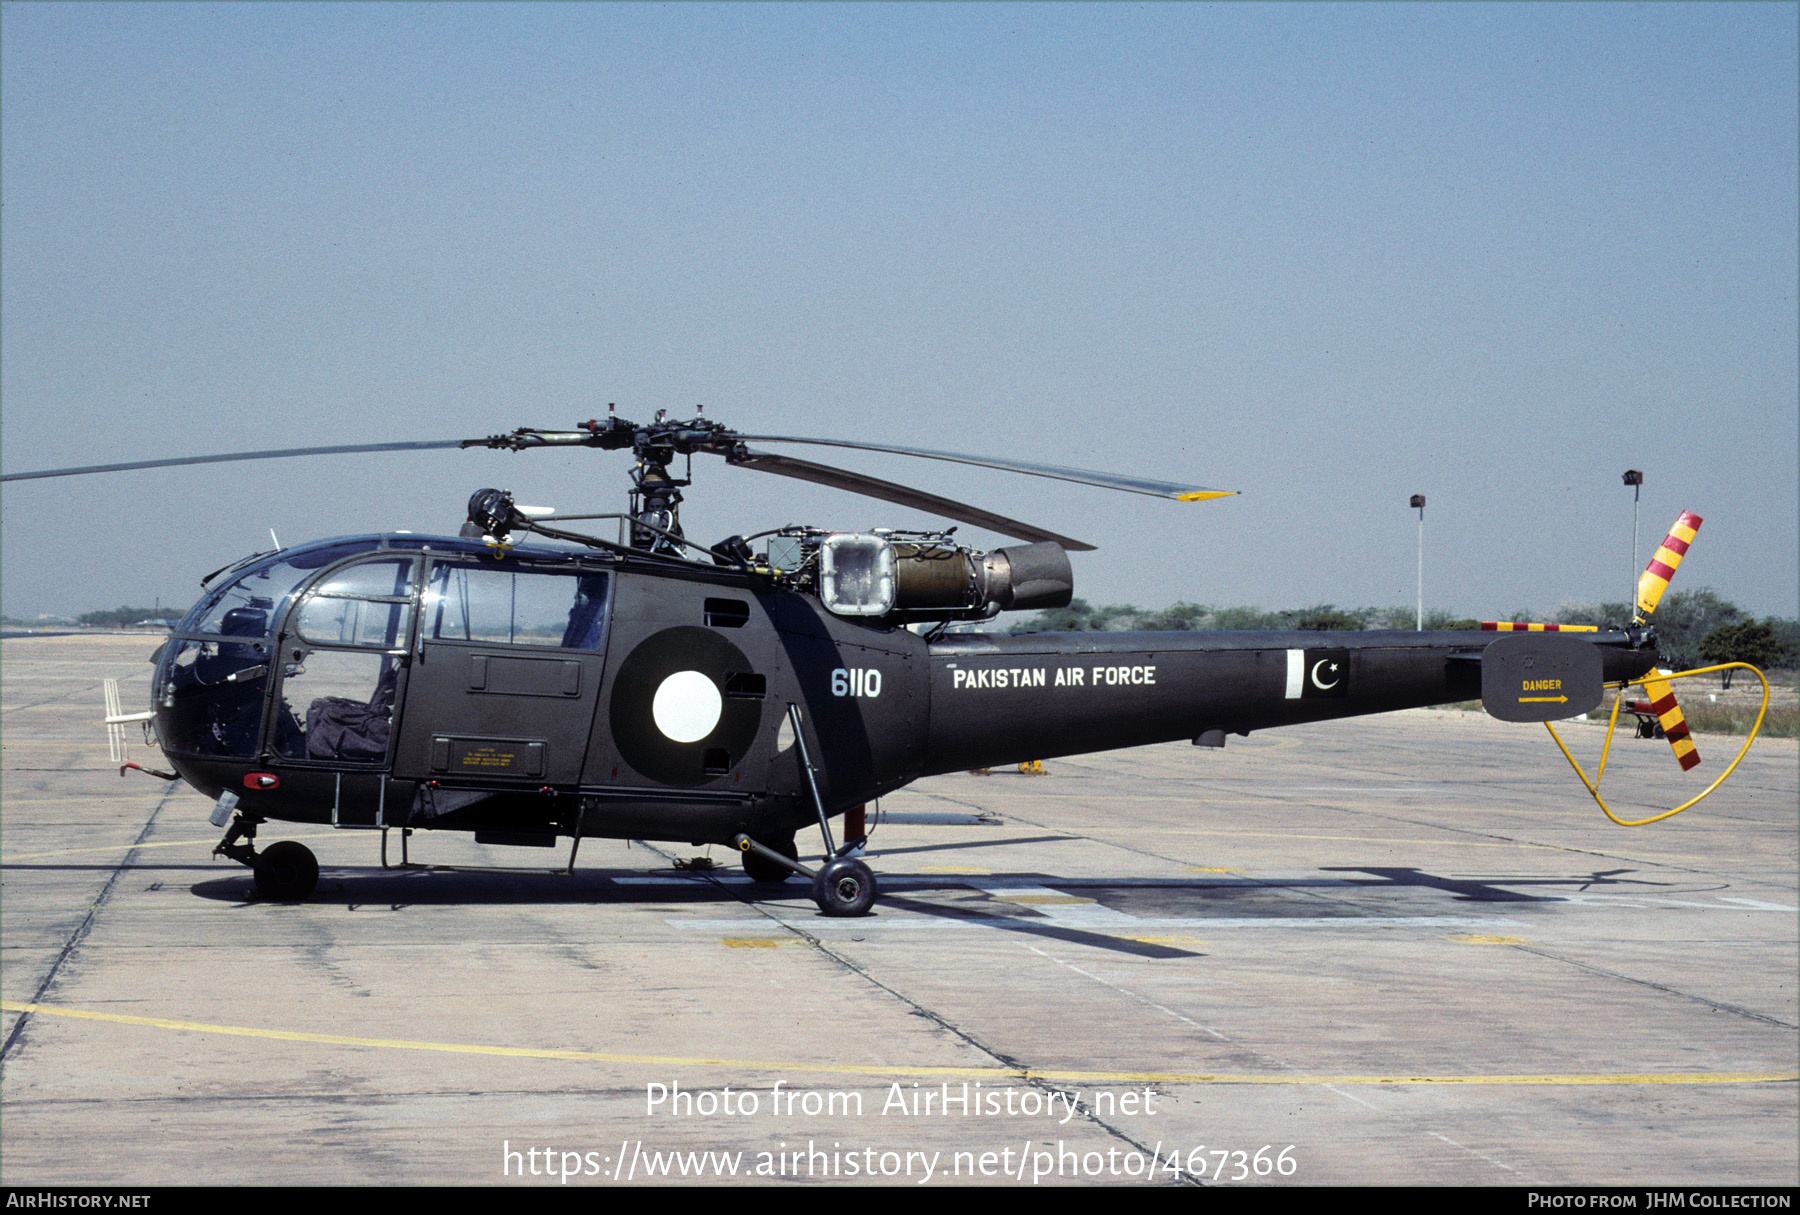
{"x": 845, "y": 887}
{"x": 759, "y": 868}
{"x": 286, "y": 872}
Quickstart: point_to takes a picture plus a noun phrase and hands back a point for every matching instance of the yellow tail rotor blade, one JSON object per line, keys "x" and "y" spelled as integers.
{"x": 1655, "y": 578}
{"x": 1674, "y": 723}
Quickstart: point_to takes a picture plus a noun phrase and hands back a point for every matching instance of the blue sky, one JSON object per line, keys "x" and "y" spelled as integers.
{"x": 1326, "y": 255}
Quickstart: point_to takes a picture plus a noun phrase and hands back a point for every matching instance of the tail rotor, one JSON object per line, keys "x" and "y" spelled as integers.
{"x": 1661, "y": 710}
{"x": 1668, "y": 715}
{"x": 1651, "y": 585}
{"x": 1655, "y": 578}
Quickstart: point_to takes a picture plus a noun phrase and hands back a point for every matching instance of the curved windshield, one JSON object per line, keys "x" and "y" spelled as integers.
{"x": 211, "y": 693}
{"x": 249, "y": 604}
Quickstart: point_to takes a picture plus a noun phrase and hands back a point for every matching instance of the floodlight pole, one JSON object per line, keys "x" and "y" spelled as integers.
{"x": 1418, "y": 500}
{"x": 1634, "y": 477}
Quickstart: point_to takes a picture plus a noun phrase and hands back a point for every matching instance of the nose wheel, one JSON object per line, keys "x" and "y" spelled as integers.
{"x": 286, "y": 872}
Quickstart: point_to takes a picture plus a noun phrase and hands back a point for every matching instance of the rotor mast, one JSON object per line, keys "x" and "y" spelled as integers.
{"x": 655, "y": 490}
{"x": 655, "y": 494}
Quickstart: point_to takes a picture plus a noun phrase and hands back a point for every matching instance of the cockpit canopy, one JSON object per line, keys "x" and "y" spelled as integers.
{"x": 342, "y": 614}
{"x": 246, "y": 600}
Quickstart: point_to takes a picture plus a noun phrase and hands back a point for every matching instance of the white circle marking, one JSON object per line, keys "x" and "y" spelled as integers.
{"x": 687, "y": 706}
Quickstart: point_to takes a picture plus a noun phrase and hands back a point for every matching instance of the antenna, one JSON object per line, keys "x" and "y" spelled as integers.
{"x": 1418, "y": 502}
{"x": 1634, "y": 480}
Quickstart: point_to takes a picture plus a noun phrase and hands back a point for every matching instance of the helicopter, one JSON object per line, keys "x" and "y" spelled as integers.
{"x": 739, "y": 693}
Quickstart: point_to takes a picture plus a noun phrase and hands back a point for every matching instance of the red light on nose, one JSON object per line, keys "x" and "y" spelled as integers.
{"x": 261, "y": 780}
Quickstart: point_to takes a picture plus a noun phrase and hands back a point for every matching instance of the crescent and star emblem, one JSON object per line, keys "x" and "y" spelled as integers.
{"x": 1329, "y": 665}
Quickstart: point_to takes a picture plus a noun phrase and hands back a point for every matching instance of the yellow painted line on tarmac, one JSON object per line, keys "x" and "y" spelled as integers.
{"x": 72, "y": 799}
{"x": 872, "y": 1069}
{"x": 209, "y": 841}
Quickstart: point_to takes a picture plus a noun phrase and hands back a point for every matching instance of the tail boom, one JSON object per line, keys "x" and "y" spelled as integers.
{"x": 999, "y": 699}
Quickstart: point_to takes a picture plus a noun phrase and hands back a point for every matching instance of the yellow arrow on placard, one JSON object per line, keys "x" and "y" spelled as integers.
{"x": 1542, "y": 700}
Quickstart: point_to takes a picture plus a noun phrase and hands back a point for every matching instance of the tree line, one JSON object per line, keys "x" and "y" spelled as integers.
{"x": 125, "y": 617}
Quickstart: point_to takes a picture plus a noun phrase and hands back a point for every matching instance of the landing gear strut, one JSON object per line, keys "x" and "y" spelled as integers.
{"x": 844, "y": 886}
{"x": 760, "y": 868}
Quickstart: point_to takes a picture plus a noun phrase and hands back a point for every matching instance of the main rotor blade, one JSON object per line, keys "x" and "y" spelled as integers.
{"x": 1135, "y": 485}
{"x": 856, "y": 483}
{"x": 282, "y": 453}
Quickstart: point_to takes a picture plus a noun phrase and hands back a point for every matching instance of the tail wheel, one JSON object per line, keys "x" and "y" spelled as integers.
{"x": 286, "y": 872}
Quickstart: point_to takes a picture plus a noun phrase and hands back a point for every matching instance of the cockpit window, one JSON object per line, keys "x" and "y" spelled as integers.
{"x": 358, "y": 622}
{"x": 212, "y": 694}
{"x": 254, "y": 598}
{"x": 515, "y": 607}
{"x": 370, "y": 579}
{"x": 337, "y": 705}
{"x": 366, "y": 604}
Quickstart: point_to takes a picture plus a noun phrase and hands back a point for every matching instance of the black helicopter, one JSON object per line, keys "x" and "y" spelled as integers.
{"x": 650, "y": 687}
